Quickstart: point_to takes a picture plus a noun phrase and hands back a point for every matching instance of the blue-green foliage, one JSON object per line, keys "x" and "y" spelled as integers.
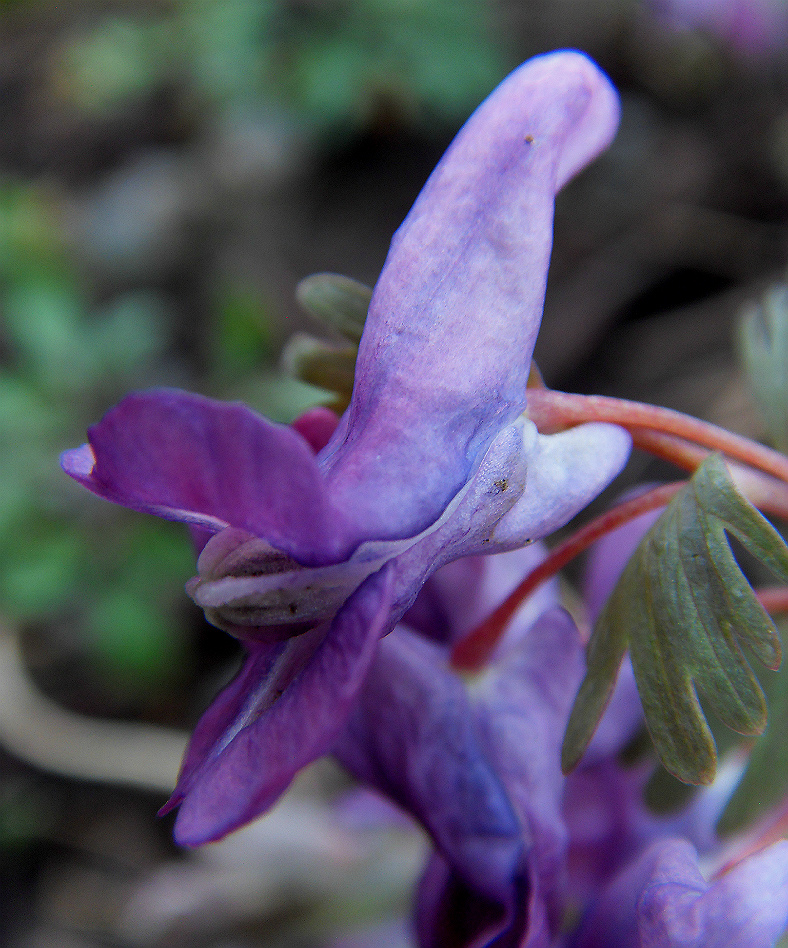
{"x": 113, "y": 577}
{"x": 763, "y": 345}
{"x": 335, "y": 64}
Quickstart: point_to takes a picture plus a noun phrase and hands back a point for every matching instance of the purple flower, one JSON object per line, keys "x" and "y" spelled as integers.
{"x": 749, "y": 26}
{"x": 311, "y": 559}
{"x": 663, "y": 900}
{"x": 477, "y": 764}
{"x": 523, "y": 856}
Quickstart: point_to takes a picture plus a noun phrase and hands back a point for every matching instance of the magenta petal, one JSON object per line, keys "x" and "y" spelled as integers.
{"x": 446, "y": 351}
{"x": 211, "y": 464}
{"x": 316, "y": 426}
{"x": 271, "y": 737}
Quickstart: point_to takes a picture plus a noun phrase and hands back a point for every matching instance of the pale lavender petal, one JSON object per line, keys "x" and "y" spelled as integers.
{"x": 211, "y": 464}
{"x": 663, "y": 901}
{"x": 565, "y": 473}
{"x": 525, "y": 485}
{"x": 747, "y": 907}
{"x": 466, "y": 526}
{"x": 272, "y": 735}
{"x": 446, "y": 351}
{"x": 481, "y": 519}
{"x": 607, "y": 821}
{"x": 612, "y": 921}
{"x": 432, "y": 614}
{"x": 463, "y": 593}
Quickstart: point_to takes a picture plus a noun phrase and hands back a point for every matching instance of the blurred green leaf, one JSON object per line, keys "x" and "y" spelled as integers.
{"x": 279, "y": 397}
{"x": 685, "y": 610}
{"x": 244, "y": 338}
{"x": 40, "y": 568}
{"x": 68, "y": 350}
{"x": 133, "y": 642}
{"x": 116, "y": 579}
{"x": 42, "y": 318}
{"x": 228, "y": 44}
{"x": 31, "y": 242}
{"x": 331, "y": 79}
{"x": 119, "y": 60}
{"x": 134, "y": 636}
{"x": 333, "y": 64}
{"x": 763, "y": 344}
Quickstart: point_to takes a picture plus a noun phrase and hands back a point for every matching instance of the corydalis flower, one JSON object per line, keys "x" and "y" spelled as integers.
{"x": 523, "y": 857}
{"x": 310, "y": 559}
{"x": 477, "y": 764}
{"x": 749, "y": 26}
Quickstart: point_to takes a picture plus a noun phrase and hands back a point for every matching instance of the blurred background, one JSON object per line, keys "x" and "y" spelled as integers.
{"x": 169, "y": 171}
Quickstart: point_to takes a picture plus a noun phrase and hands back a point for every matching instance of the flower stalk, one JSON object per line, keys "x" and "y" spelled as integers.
{"x": 473, "y": 651}
{"x": 760, "y": 473}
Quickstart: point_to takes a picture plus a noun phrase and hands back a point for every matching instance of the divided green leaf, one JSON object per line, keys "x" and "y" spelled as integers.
{"x": 685, "y": 611}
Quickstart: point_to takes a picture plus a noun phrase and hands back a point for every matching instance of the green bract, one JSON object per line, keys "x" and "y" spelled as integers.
{"x": 338, "y": 301}
{"x": 685, "y": 610}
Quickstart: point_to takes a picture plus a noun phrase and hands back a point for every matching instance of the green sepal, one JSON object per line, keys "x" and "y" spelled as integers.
{"x": 323, "y": 364}
{"x": 684, "y": 609}
{"x": 338, "y": 301}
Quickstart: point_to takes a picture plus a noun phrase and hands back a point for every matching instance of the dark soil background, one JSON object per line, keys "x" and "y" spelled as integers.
{"x": 132, "y": 179}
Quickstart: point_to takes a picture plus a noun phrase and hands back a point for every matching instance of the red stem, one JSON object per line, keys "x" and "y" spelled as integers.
{"x": 472, "y": 652}
{"x": 765, "y": 491}
{"x": 761, "y": 473}
{"x": 772, "y": 832}
{"x": 774, "y": 599}
{"x": 554, "y": 411}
